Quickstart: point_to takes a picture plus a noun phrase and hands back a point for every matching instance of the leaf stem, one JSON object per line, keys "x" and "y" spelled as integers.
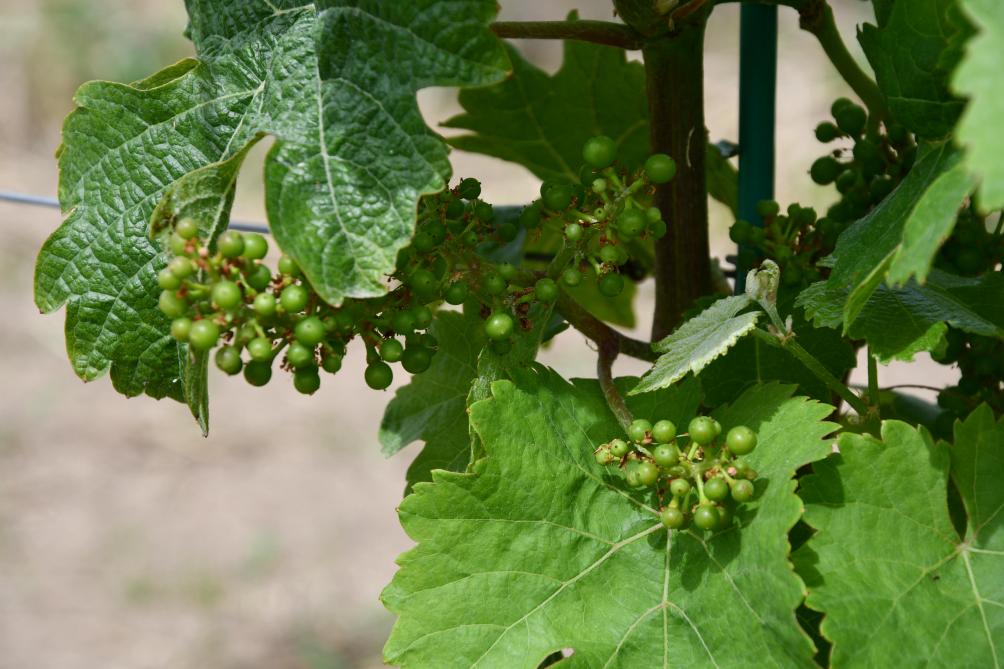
{"x": 604, "y": 372}
{"x": 598, "y": 32}
{"x": 818, "y": 369}
{"x": 600, "y": 332}
{"x": 816, "y": 17}
{"x": 873, "y": 385}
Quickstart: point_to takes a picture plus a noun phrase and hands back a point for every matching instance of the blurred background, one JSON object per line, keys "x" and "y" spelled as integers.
{"x": 129, "y": 541}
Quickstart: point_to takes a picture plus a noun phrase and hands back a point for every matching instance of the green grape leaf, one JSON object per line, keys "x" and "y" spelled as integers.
{"x": 433, "y": 407}
{"x": 698, "y": 342}
{"x": 752, "y": 361}
{"x": 541, "y": 121}
{"x": 979, "y": 77}
{"x": 913, "y": 51}
{"x": 897, "y": 583}
{"x": 866, "y": 250}
{"x": 537, "y": 550}
{"x": 352, "y": 157}
{"x": 897, "y": 322}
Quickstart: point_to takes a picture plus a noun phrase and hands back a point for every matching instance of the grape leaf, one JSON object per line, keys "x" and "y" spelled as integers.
{"x": 351, "y": 159}
{"x": 537, "y": 551}
{"x": 698, "y": 342}
{"x": 898, "y": 585}
{"x": 979, "y": 77}
{"x": 433, "y": 407}
{"x": 866, "y": 250}
{"x": 897, "y": 322}
{"x": 541, "y": 121}
{"x": 913, "y": 51}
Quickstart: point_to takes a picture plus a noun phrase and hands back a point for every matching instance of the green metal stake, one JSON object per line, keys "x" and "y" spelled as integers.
{"x": 757, "y": 102}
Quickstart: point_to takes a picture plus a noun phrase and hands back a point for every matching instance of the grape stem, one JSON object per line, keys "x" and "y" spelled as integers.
{"x": 608, "y": 351}
{"x": 598, "y": 32}
{"x": 600, "y": 332}
{"x": 873, "y": 386}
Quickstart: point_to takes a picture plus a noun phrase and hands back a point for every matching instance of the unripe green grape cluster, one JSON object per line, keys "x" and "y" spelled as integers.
{"x": 601, "y": 215}
{"x": 701, "y": 481}
{"x": 864, "y": 175}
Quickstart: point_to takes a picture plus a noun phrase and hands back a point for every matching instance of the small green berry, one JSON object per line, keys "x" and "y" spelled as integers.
{"x": 647, "y": 473}
{"x": 706, "y": 517}
{"x": 638, "y": 430}
{"x": 679, "y": 487}
{"x": 391, "y": 350}
{"x": 416, "y": 359}
{"x": 671, "y": 517}
{"x": 379, "y": 375}
{"x": 619, "y": 447}
{"x": 260, "y": 349}
{"x": 258, "y": 277}
{"x": 181, "y": 267}
{"x": 226, "y": 295}
{"x": 456, "y": 293}
{"x": 742, "y": 490}
{"x": 499, "y": 325}
{"x": 664, "y": 431}
{"x": 180, "y": 328}
{"x": 299, "y": 355}
{"x": 255, "y": 246}
{"x": 230, "y": 244}
{"x": 264, "y": 304}
{"x": 741, "y": 440}
{"x": 167, "y": 280}
{"x": 546, "y": 290}
{"x": 294, "y": 299}
{"x": 716, "y": 489}
{"x": 660, "y": 168}
{"x": 187, "y": 228}
{"x": 288, "y": 267}
{"x": 666, "y": 455}
{"x": 307, "y": 380}
{"x": 611, "y": 285}
{"x": 702, "y": 430}
{"x": 204, "y": 335}
{"x": 228, "y": 360}
{"x": 310, "y": 331}
{"x": 599, "y": 152}
{"x": 571, "y": 277}
{"x": 258, "y": 373}
{"x": 171, "y": 305}
{"x": 573, "y": 232}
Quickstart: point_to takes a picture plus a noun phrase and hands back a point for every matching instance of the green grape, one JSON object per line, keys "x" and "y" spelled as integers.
{"x": 177, "y": 244}
{"x": 379, "y": 375}
{"x": 638, "y": 430}
{"x": 658, "y": 229}
{"x": 664, "y": 431}
{"x": 672, "y": 518}
{"x": 230, "y": 244}
{"x": 228, "y": 360}
{"x": 741, "y": 440}
{"x": 530, "y": 217}
{"x": 847, "y": 180}
{"x": 573, "y": 232}
{"x": 648, "y": 473}
{"x": 454, "y": 209}
{"x": 343, "y": 321}
{"x": 181, "y": 267}
{"x": 436, "y": 232}
{"x": 507, "y": 232}
{"x": 332, "y": 363}
{"x": 416, "y": 359}
{"x": 558, "y": 197}
{"x": 429, "y": 341}
{"x": 716, "y": 489}
{"x": 469, "y": 189}
{"x": 609, "y": 254}
{"x": 599, "y": 152}
{"x": 500, "y": 346}
{"x": 203, "y": 335}
{"x": 167, "y": 280}
{"x": 652, "y": 214}
{"x": 826, "y": 132}
{"x": 494, "y": 284}
{"x": 294, "y": 298}
{"x": 403, "y": 322}
{"x": 599, "y": 186}
{"x": 456, "y": 293}
{"x": 631, "y": 223}
{"x": 508, "y": 271}
{"x": 423, "y": 242}
{"x": 260, "y": 349}
{"x": 768, "y": 208}
{"x": 470, "y": 238}
{"x": 546, "y": 290}
{"x": 825, "y": 170}
{"x": 245, "y": 333}
{"x": 666, "y": 455}
{"x": 603, "y": 456}
{"x": 499, "y": 325}
{"x": 724, "y": 517}
{"x": 706, "y": 517}
{"x": 424, "y": 284}
{"x": 632, "y": 478}
{"x": 679, "y": 487}
{"x": 851, "y": 119}
{"x": 288, "y": 267}
{"x": 310, "y": 331}
{"x": 171, "y": 305}
{"x": 391, "y": 350}
{"x": 660, "y": 168}
{"x": 180, "y": 328}
{"x": 298, "y": 355}
{"x": 307, "y": 380}
{"x": 702, "y": 430}
{"x": 258, "y": 373}
{"x": 484, "y": 212}
{"x": 264, "y": 304}
{"x": 259, "y": 277}
{"x": 611, "y": 285}
{"x": 742, "y": 490}
{"x": 619, "y": 447}
{"x": 423, "y": 317}
{"x": 839, "y": 104}
{"x": 187, "y": 228}
{"x": 571, "y": 277}
{"x": 718, "y": 427}
{"x": 880, "y": 187}
{"x": 255, "y": 246}
{"x": 226, "y": 295}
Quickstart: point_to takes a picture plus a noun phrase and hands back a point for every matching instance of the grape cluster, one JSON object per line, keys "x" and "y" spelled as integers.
{"x": 863, "y": 175}
{"x": 703, "y": 480}
{"x": 602, "y": 215}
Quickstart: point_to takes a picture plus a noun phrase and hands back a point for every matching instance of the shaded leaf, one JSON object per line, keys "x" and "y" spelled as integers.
{"x": 537, "y": 551}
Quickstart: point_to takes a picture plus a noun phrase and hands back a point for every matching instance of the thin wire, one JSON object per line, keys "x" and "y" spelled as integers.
{"x": 53, "y": 203}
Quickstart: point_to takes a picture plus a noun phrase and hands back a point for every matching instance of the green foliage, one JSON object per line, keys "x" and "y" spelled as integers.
{"x": 537, "y": 539}
{"x": 698, "y": 342}
{"x": 898, "y": 583}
